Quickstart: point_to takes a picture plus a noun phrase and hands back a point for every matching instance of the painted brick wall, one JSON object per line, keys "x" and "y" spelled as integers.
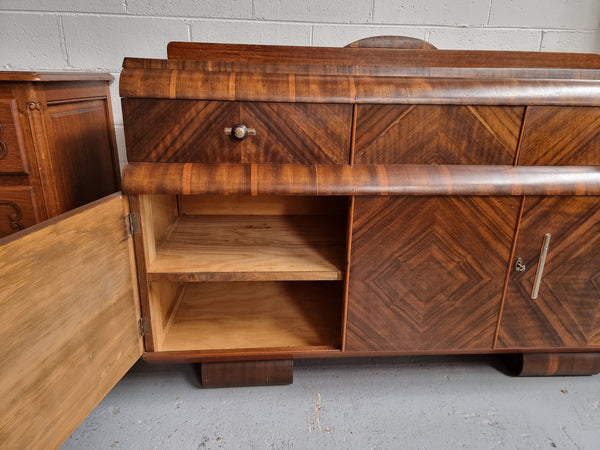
{"x": 96, "y": 35}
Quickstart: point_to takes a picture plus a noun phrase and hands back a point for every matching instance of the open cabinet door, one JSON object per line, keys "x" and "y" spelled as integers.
{"x": 69, "y": 312}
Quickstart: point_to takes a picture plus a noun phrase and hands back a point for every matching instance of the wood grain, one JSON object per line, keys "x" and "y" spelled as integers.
{"x": 13, "y": 158}
{"x": 289, "y": 179}
{"x": 426, "y": 134}
{"x": 9, "y": 75}
{"x": 68, "y": 319}
{"x": 380, "y": 58}
{"x": 267, "y": 205}
{"x": 210, "y": 248}
{"x": 391, "y": 42}
{"x": 17, "y": 209}
{"x": 193, "y": 131}
{"x": 247, "y": 373}
{"x": 555, "y": 364}
{"x": 561, "y": 136}
{"x": 81, "y": 153}
{"x": 427, "y": 273}
{"x": 567, "y": 311}
{"x": 257, "y": 315}
{"x": 316, "y": 88}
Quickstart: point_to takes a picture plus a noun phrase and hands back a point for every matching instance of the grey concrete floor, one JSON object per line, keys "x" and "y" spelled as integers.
{"x": 395, "y": 403}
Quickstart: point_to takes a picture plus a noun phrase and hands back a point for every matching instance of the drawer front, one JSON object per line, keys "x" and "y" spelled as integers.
{"x": 437, "y": 134}
{"x": 17, "y": 209}
{"x": 12, "y": 149}
{"x": 194, "y": 131}
{"x": 563, "y": 136}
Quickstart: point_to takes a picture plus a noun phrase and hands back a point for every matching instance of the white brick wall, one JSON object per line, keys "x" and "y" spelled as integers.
{"x": 97, "y": 34}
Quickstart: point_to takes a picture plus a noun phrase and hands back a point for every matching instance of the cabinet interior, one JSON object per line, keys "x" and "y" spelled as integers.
{"x": 244, "y": 272}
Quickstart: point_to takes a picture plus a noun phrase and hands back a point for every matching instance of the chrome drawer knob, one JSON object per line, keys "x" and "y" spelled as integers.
{"x": 519, "y": 265}
{"x": 240, "y": 132}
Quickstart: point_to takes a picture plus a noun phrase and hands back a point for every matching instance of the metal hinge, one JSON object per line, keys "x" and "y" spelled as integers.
{"x": 143, "y": 326}
{"x": 134, "y": 223}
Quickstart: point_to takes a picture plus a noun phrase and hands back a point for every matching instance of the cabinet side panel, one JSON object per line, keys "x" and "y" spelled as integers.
{"x": 81, "y": 156}
{"x": 68, "y": 322}
{"x": 566, "y": 312}
{"x": 428, "y": 273}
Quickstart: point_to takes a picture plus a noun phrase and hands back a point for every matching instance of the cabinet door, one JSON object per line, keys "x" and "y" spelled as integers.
{"x": 566, "y": 312}
{"x": 68, "y": 321}
{"x": 427, "y": 273}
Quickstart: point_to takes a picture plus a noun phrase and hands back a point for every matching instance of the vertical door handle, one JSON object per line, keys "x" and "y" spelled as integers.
{"x": 540, "y": 269}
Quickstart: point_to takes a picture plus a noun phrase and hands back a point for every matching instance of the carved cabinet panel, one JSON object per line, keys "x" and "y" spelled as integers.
{"x": 17, "y": 209}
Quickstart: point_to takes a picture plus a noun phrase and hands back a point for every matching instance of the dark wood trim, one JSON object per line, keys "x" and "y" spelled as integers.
{"x": 521, "y": 133}
{"x": 247, "y": 373}
{"x": 289, "y": 179}
{"x": 54, "y": 76}
{"x": 509, "y": 269}
{"x": 353, "y": 56}
{"x": 318, "y": 88}
{"x": 347, "y": 271}
{"x": 174, "y": 357}
{"x": 554, "y": 364}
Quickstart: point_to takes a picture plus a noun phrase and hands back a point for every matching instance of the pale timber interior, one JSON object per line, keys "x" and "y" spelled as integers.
{"x": 244, "y": 272}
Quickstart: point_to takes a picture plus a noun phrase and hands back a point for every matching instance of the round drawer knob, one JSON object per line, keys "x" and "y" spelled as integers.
{"x": 240, "y": 132}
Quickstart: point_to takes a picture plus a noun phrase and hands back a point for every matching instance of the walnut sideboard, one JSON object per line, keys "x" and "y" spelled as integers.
{"x": 292, "y": 202}
{"x": 57, "y": 145}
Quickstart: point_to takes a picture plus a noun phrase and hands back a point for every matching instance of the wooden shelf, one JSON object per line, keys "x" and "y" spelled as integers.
{"x": 240, "y": 247}
{"x": 257, "y": 315}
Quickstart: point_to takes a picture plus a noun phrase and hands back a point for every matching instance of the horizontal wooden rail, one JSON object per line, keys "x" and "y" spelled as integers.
{"x": 288, "y": 179}
{"x": 319, "y": 88}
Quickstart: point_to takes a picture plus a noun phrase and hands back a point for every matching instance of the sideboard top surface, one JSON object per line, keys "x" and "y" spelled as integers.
{"x": 363, "y": 75}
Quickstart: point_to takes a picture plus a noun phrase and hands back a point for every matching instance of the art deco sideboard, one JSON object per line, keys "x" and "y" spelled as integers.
{"x": 291, "y": 202}
{"x": 57, "y": 145}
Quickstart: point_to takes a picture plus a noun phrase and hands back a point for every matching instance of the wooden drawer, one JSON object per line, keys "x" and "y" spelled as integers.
{"x": 17, "y": 210}
{"x": 563, "y": 136}
{"x": 194, "y": 131}
{"x": 12, "y": 149}
{"x": 437, "y": 134}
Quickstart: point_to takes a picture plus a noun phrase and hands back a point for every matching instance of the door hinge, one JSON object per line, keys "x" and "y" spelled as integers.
{"x": 133, "y": 223}
{"x": 143, "y": 326}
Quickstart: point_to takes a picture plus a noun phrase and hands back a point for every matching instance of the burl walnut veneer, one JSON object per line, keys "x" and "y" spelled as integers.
{"x": 292, "y": 202}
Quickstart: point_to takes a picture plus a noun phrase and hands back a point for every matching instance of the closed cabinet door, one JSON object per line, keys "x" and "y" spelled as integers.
{"x": 427, "y": 273}
{"x": 553, "y": 297}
